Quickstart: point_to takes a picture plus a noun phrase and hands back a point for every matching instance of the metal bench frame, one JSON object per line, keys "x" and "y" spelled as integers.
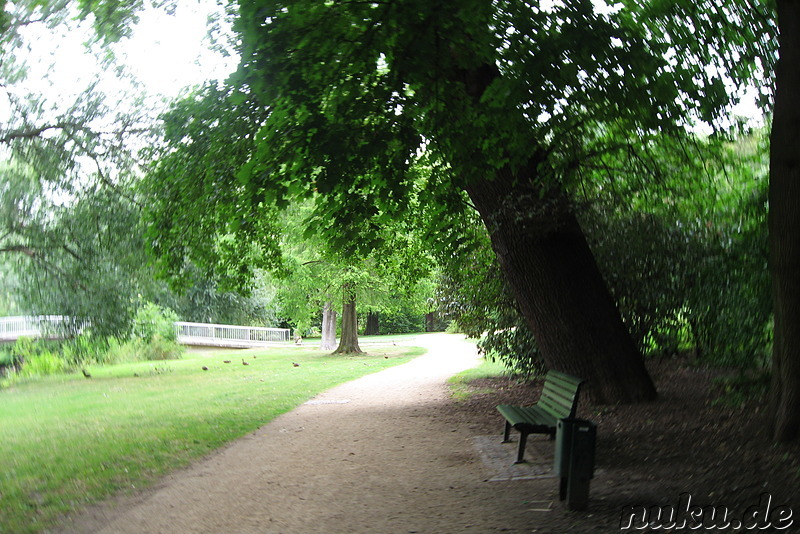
{"x": 559, "y": 400}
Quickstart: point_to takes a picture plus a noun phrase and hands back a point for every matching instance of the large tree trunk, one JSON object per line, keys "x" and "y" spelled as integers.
{"x": 348, "y": 343}
{"x": 784, "y": 228}
{"x": 562, "y": 295}
{"x": 546, "y": 260}
{"x": 328, "y": 327}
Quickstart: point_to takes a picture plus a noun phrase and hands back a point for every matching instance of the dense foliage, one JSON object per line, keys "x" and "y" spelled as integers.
{"x": 683, "y": 251}
{"x": 390, "y": 124}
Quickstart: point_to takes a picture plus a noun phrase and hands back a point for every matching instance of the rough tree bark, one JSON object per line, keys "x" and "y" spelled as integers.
{"x": 348, "y": 343}
{"x": 328, "y": 327}
{"x": 784, "y": 228}
{"x": 373, "y": 326}
{"x": 544, "y": 256}
{"x": 546, "y": 260}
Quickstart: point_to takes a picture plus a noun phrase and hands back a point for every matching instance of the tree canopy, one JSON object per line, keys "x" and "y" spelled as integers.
{"x": 511, "y": 105}
{"x": 559, "y": 127}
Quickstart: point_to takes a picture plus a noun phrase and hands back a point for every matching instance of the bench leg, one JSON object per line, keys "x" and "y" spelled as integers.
{"x": 507, "y": 433}
{"x": 523, "y": 437}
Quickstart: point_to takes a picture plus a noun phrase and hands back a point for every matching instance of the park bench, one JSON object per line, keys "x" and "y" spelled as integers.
{"x": 559, "y": 400}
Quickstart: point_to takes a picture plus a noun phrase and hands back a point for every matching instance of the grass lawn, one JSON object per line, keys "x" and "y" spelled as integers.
{"x": 460, "y": 386}
{"x": 67, "y": 440}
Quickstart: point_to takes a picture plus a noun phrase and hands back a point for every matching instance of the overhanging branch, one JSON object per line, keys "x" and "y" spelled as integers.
{"x": 33, "y": 133}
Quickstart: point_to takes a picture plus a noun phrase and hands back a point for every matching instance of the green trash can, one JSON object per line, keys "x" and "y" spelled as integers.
{"x": 574, "y": 460}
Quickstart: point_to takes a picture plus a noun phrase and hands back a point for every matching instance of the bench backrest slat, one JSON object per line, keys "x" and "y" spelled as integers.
{"x": 559, "y": 394}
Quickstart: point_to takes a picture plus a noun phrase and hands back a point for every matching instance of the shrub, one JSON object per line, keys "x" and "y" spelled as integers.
{"x": 24, "y": 349}
{"x": 135, "y": 350}
{"x": 118, "y": 352}
{"x": 159, "y": 348}
{"x": 42, "y": 364}
{"x": 153, "y": 321}
{"x": 84, "y": 349}
{"x": 6, "y": 362}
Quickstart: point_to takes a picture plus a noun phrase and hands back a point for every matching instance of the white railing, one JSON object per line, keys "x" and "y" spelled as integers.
{"x": 30, "y": 326}
{"x": 12, "y": 328}
{"x": 228, "y": 335}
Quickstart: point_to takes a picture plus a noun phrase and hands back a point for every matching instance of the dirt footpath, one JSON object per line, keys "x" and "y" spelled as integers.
{"x": 376, "y": 455}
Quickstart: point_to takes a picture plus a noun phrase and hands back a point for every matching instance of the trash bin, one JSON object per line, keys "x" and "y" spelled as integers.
{"x": 574, "y": 460}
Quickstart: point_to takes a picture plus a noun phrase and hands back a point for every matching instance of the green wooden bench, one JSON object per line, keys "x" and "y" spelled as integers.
{"x": 559, "y": 400}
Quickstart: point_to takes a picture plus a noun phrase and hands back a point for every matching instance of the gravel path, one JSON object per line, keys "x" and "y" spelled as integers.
{"x": 376, "y": 455}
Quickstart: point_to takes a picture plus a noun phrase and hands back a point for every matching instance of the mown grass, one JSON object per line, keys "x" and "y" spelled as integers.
{"x": 461, "y": 387}
{"x": 67, "y": 440}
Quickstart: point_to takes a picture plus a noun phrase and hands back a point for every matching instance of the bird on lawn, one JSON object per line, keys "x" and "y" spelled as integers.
{"x": 295, "y": 364}
{"x": 244, "y": 362}
{"x": 205, "y": 368}
{"x": 226, "y": 361}
{"x": 86, "y": 373}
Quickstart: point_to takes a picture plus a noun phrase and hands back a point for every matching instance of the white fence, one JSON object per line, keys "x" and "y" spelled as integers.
{"x": 229, "y": 336}
{"x": 219, "y": 335}
{"x": 30, "y": 326}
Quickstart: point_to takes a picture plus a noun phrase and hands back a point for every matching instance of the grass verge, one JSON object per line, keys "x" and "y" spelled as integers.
{"x": 67, "y": 441}
{"x": 461, "y": 387}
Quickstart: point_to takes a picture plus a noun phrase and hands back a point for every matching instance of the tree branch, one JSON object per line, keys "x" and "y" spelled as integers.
{"x": 34, "y": 255}
{"x": 23, "y": 249}
{"x": 32, "y": 133}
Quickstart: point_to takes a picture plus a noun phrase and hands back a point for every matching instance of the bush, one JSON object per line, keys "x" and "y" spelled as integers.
{"x": 119, "y": 352}
{"x": 84, "y": 349}
{"x": 30, "y": 358}
{"x": 159, "y": 348}
{"x": 648, "y": 262}
{"x": 139, "y": 350}
{"x": 682, "y": 283}
{"x": 152, "y": 321}
{"x": 454, "y": 328}
{"x": 23, "y": 350}
{"x": 6, "y": 362}
{"x": 42, "y": 364}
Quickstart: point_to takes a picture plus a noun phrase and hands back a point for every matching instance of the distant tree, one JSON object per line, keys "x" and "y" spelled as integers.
{"x": 69, "y": 223}
{"x": 86, "y": 263}
{"x": 328, "y": 329}
{"x": 198, "y": 222}
{"x": 348, "y": 342}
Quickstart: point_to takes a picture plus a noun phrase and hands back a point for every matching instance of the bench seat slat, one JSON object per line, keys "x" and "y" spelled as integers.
{"x": 559, "y": 400}
{"x": 528, "y": 417}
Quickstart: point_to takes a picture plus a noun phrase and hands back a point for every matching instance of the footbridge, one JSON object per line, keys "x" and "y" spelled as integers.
{"x": 196, "y": 334}
{"x": 222, "y": 335}
{"x": 13, "y": 328}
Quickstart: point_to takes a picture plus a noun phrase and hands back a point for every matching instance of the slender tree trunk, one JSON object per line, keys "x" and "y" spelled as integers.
{"x": 430, "y": 322}
{"x": 784, "y": 228}
{"x": 349, "y": 341}
{"x": 562, "y": 295}
{"x": 373, "y": 327}
{"x": 328, "y": 327}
